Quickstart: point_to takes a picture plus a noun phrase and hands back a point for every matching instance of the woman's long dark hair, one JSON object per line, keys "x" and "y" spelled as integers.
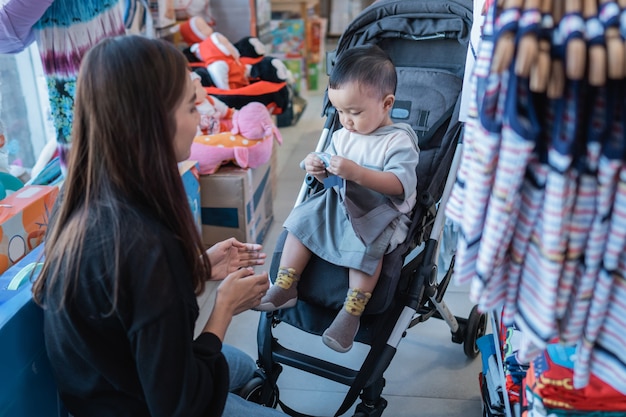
{"x": 122, "y": 152}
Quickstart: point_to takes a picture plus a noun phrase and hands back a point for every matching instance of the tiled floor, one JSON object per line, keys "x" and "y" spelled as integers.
{"x": 429, "y": 376}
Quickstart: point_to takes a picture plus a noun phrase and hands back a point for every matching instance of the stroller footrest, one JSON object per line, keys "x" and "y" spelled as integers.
{"x": 313, "y": 365}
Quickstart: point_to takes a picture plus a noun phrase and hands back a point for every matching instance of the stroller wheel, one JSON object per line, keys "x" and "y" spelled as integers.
{"x": 476, "y": 326}
{"x": 372, "y": 410}
{"x": 258, "y": 390}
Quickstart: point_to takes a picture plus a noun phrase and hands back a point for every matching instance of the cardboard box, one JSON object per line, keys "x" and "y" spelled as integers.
{"x": 191, "y": 180}
{"x": 236, "y": 202}
{"x": 23, "y": 221}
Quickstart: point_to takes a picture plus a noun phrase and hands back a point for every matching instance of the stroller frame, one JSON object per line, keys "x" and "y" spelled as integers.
{"x": 417, "y": 294}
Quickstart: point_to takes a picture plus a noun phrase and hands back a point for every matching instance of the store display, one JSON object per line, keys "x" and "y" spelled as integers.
{"x": 541, "y": 192}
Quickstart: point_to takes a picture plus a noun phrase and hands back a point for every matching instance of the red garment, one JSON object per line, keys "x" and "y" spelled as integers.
{"x": 553, "y": 382}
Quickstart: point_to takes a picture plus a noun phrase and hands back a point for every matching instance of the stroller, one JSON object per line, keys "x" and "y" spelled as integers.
{"x": 427, "y": 40}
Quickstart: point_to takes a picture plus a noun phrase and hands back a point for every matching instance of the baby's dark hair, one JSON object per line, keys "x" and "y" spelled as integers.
{"x": 367, "y": 65}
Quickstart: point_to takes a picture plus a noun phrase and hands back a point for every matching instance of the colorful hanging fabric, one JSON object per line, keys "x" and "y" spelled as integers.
{"x": 542, "y": 214}
{"x": 520, "y": 130}
{"x": 66, "y": 31}
{"x": 480, "y": 150}
{"x": 518, "y": 136}
{"x": 608, "y": 356}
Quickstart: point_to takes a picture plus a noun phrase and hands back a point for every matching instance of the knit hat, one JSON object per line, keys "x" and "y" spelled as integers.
{"x": 194, "y": 30}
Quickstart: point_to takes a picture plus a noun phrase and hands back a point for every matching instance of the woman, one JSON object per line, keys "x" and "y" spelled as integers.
{"x": 123, "y": 258}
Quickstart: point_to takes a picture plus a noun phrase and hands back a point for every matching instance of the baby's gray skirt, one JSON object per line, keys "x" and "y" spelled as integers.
{"x": 322, "y": 225}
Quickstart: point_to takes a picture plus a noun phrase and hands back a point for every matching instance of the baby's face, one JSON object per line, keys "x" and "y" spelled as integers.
{"x": 360, "y": 109}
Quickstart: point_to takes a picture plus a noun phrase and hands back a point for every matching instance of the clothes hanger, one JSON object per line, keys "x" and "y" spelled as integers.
{"x": 540, "y": 71}
{"x": 575, "y": 48}
{"x": 528, "y": 44}
{"x": 615, "y": 48}
{"x": 505, "y": 43}
{"x": 556, "y": 81}
{"x": 596, "y": 71}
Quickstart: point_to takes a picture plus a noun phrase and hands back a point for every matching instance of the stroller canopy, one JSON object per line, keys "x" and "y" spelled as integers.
{"x": 409, "y": 19}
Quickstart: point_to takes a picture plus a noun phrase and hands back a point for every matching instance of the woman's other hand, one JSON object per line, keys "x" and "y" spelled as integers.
{"x": 230, "y": 255}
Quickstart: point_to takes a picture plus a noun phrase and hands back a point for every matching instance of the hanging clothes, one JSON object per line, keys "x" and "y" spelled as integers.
{"x": 65, "y": 32}
{"x": 540, "y": 197}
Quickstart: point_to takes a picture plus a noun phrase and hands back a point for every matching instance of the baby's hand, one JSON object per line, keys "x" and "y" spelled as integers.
{"x": 314, "y": 165}
{"x": 344, "y": 168}
{"x": 324, "y": 157}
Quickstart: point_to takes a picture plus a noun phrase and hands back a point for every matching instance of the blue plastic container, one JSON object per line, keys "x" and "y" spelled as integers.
{"x": 27, "y": 388}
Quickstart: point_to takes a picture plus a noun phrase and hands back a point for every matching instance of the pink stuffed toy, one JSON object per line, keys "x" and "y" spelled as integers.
{"x": 248, "y": 144}
{"x": 255, "y": 122}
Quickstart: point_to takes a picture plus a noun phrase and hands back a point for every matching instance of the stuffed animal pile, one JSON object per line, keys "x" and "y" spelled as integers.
{"x": 225, "y": 65}
{"x": 244, "y": 137}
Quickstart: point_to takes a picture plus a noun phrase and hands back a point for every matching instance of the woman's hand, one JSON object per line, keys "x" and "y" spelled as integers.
{"x": 240, "y": 291}
{"x": 243, "y": 289}
{"x": 230, "y": 255}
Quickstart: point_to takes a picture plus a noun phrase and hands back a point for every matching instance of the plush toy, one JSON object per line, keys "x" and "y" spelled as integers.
{"x": 248, "y": 145}
{"x": 221, "y": 60}
{"x": 227, "y": 65}
{"x": 270, "y": 69}
{"x": 215, "y": 115}
{"x": 250, "y": 47}
{"x": 219, "y": 57}
{"x": 255, "y": 122}
{"x": 195, "y": 30}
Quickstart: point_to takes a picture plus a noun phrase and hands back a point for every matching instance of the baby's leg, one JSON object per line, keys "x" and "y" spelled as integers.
{"x": 362, "y": 281}
{"x": 340, "y": 335}
{"x": 295, "y": 254}
{"x": 284, "y": 292}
